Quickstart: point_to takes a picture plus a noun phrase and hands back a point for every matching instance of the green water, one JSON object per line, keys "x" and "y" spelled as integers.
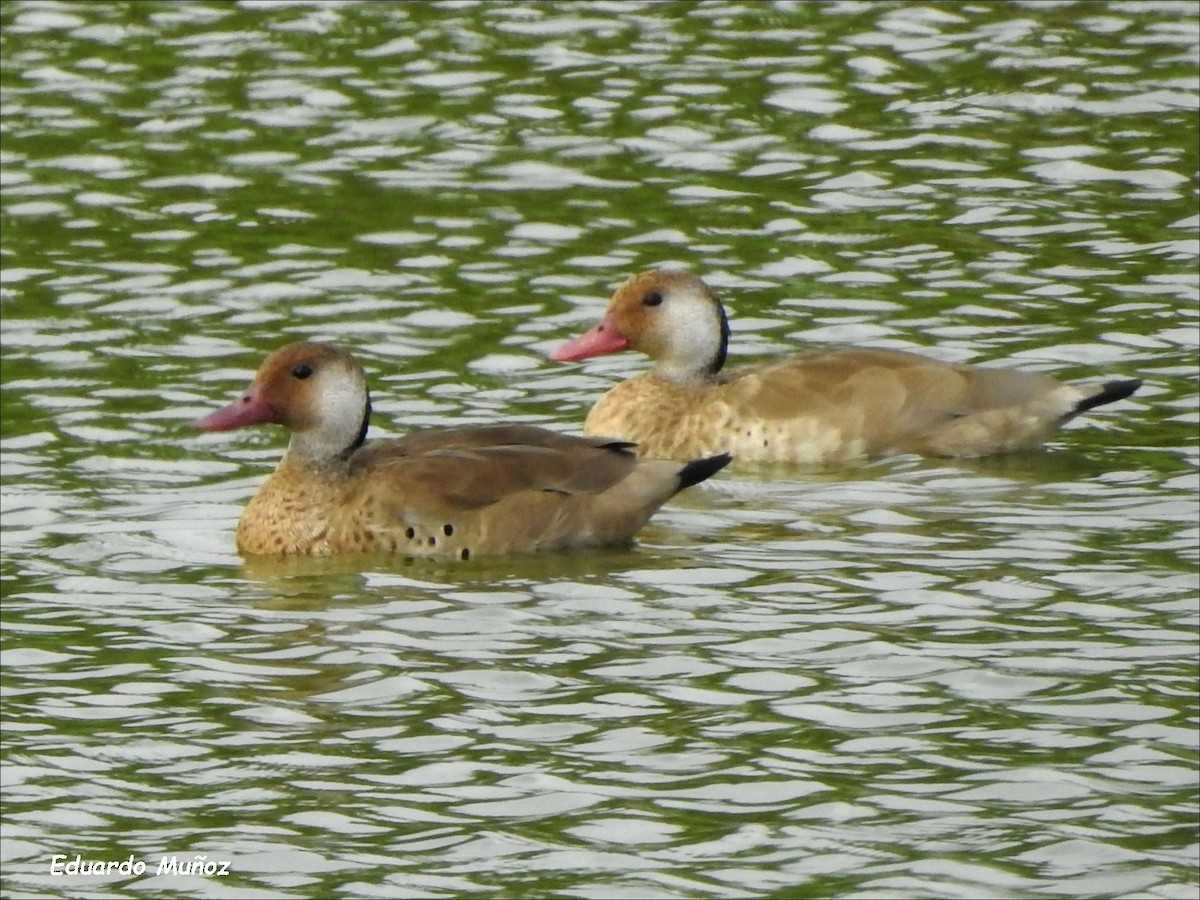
{"x": 904, "y": 678}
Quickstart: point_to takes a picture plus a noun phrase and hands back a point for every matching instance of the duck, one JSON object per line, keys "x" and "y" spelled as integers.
{"x": 828, "y": 405}
{"x": 453, "y": 493}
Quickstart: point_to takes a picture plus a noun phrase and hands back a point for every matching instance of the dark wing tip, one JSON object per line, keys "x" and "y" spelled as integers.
{"x": 699, "y": 469}
{"x": 1109, "y": 392}
{"x": 628, "y": 448}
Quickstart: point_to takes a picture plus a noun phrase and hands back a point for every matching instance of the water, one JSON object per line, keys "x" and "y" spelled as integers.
{"x": 903, "y": 678}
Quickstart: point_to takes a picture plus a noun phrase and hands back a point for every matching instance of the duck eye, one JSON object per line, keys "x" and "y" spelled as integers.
{"x": 302, "y": 371}
{"x": 654, "y": 298}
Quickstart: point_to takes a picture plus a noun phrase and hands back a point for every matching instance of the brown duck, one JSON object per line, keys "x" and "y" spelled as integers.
{"x": 459, "y": 492}
{"x": 824, "y": 406}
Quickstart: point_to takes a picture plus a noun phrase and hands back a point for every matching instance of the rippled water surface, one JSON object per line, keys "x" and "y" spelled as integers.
{"x": 905, "y": 678}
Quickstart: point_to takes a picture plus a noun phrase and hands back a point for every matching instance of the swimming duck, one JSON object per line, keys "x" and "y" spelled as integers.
{"x": 823, "y": 406}
{"x": 458, "y": 492}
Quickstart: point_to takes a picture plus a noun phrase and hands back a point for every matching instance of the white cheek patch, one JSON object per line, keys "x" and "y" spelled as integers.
{"x": 694, "y": 338}
{"x": 340, "y": 405}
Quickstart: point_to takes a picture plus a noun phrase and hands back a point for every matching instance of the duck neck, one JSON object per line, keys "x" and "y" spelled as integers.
{"x": 324, "y": 448}
{"x": 718, "y": 360}
{"x": 682, "y": 374}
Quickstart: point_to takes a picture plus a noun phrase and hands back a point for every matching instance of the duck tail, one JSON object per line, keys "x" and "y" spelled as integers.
{"x": 700, "y": 469}
{"x": 1106, "y": 393}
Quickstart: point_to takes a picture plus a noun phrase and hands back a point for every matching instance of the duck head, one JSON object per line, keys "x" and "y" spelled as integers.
{"x": 671, "y": 316}
{"x": 316, "y": 391}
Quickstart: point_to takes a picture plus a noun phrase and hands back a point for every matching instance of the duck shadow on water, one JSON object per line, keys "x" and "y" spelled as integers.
{"x": 302, "y": 582}
{"x": 777, "y": 486}
{"x": 1043, "y": 465}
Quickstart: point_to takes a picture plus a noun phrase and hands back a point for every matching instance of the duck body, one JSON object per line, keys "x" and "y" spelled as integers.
{"x": 829, "y": 405}
{"x": 455, "y": 493}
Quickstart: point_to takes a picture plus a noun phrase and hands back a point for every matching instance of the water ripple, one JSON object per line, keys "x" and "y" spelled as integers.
{"x": 797, "y": 681}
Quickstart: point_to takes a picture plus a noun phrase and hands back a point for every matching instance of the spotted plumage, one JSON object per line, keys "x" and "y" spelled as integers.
{"x": 827, "y": 405}
{"x": 453, "y": 493}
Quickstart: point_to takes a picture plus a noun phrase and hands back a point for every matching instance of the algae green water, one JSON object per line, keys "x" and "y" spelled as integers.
{"x": 903, "y": 678}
